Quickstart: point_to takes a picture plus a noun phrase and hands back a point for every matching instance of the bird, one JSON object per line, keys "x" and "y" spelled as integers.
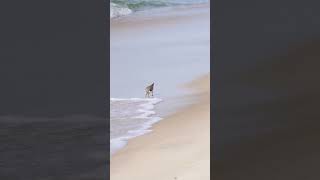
{"x": 149, "y": 89}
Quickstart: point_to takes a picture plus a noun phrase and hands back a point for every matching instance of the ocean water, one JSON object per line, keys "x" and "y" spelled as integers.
{"x": 130, "y": 118}
{"x": 124, "y": 7}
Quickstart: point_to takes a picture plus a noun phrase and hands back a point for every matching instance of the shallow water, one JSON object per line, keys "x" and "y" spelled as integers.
{"x": 164, "y": 52}
{"x": 130, "y": 118}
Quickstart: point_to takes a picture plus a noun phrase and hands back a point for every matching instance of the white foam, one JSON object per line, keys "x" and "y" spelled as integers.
{"x": 145, "y": 112}
{"x": 118, "y": 143}
{"x": 116, "y": 10}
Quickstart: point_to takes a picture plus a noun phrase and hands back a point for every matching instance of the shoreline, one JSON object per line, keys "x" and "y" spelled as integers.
{"x": 170, "y": 60}
{"x": 143, "y": 47}
{"x": 178, "y": 146}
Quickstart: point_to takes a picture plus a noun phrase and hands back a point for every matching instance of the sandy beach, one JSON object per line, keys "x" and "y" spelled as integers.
{"x": 168, "y": 46}
{"x": 178, "y": 146}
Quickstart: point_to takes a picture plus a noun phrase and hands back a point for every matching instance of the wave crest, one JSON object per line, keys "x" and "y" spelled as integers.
{"x": 117, "y": 10}
{"x": 124, "y": 7}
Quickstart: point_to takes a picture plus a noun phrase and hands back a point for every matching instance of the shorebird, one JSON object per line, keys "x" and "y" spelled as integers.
{"x": 149, "y": 89}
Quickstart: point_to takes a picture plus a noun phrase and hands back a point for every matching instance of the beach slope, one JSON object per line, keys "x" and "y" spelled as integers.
{"x": 177, "y": 148}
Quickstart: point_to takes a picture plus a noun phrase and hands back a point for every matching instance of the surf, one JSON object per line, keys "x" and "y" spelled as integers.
{"x": 120, "y": 8}
{"x": 129, "y": 118}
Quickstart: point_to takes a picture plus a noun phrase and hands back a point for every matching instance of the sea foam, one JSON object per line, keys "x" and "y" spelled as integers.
{"x": 130, "y": 118}
{"x": 125, "y": 7}
{"x": 117, "y": 10}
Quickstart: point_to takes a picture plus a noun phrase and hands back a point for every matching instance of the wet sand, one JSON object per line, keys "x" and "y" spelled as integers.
{"x": 169, "y": 46}
{"x": 178, "y": 146}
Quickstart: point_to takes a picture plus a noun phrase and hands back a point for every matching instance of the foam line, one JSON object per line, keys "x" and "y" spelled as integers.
{"x": 147, "y": 111}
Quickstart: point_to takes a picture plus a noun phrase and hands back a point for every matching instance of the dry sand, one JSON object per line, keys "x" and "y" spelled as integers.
{"x": 178, "y": 147}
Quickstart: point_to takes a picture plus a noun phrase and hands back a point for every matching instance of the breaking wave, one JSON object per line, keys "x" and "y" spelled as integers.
{"x": 124, "y": 7}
